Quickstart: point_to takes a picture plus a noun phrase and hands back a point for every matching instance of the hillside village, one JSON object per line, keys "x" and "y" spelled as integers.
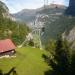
{"x": 38, "y": 41}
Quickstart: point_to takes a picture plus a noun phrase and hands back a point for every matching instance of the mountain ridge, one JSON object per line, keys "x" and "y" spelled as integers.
{"x": 28, "y": 15}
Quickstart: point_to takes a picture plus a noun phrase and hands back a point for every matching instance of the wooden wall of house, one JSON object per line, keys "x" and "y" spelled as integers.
{"x": 10, "y": 53}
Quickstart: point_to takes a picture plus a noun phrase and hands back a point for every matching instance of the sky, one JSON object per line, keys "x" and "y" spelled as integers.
{"x": 17, "y": 5}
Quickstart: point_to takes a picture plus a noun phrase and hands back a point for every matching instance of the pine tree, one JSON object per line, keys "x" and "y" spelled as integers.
{"x": 60, "y": 61}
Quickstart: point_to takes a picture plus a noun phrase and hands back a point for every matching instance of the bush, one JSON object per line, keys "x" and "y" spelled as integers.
{"x": 31, "y": 43}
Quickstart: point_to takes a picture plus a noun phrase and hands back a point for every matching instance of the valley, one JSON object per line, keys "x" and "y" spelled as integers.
{"x": 37, "y": 41}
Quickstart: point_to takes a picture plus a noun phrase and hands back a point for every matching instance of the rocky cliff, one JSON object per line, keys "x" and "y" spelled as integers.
{"x": 71, "y": 9}
{"x": 4, "y": 11}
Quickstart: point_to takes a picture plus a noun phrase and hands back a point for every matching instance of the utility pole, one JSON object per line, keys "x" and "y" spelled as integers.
{"x": 53, "y": 2}
{"x": 45, "y": 3}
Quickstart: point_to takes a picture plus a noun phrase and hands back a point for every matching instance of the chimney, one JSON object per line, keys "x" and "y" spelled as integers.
{"x": 71, "y": 9}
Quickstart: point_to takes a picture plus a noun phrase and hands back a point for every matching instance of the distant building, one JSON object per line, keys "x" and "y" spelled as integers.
{"x": 7, "y": 47}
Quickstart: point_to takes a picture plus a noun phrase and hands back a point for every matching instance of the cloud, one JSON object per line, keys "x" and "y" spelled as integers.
{"x": 59, "y": 1}
{"x": 17, "y": 5}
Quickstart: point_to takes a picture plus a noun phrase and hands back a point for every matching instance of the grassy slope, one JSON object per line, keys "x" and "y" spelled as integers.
{"x": 29, "y": 61}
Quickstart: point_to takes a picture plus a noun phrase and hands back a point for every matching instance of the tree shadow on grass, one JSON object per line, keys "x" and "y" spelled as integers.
{"x": 1, "y": 72}
{"x": 49, "y": 72}
{"x": 11, "y": 71}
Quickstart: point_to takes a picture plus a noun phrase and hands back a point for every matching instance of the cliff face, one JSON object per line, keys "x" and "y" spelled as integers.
{"x": 70, "y": 37}
{"x": 3, "y": 9}
{"x": 71, "y": 9}
{"x": 72, "y": 3}
{"x": 4, "y": 12}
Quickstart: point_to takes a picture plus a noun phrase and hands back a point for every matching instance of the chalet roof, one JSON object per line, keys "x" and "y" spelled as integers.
{"x": 6, "y": 45}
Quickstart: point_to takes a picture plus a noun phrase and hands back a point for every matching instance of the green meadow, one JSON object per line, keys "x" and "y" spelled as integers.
{"x": 28, "y": 61}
